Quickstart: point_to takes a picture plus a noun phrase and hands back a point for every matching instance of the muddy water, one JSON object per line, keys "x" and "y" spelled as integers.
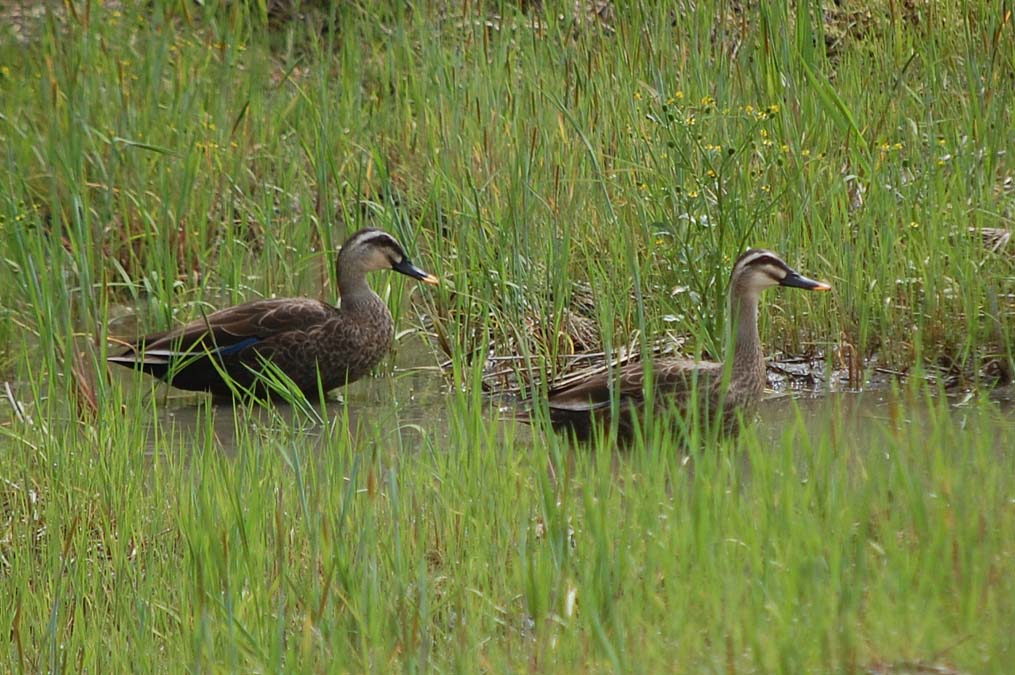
{"x": 862, "y": 418}
{"x": 410, "y": 405}
{"x": 401, "y": 409}
{"x": 397, "y": 409}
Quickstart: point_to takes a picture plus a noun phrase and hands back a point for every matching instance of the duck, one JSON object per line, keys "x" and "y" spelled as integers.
{"x": 318, "y": 346}
{"x": 722, "y": 392}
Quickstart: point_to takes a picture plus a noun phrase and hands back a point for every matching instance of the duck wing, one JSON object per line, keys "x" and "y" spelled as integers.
{"x": 578, "y": 407}
{"x": 229, "y": 331}
{"x": 672, "y": 377}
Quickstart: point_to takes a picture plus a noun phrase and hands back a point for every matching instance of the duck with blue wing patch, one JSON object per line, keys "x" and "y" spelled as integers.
{"x": 318, "y": 346}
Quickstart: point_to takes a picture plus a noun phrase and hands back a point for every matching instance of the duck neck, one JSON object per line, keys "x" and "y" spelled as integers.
{"x": 354, "y": 290}
{"x": 744, "y": 359}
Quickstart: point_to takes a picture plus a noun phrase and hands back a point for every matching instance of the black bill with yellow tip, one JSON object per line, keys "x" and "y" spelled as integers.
{"x": 795, "y": 280}
{"x": 408, "y": 269}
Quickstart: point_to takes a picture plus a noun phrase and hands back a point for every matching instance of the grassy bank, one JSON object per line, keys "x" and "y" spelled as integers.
{"x": 833, "y": 548}
{"x": 556, "y": 171}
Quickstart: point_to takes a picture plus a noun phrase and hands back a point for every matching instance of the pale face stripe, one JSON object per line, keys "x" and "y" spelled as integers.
{"x": 375, "y": 239}
{"x": 761, "y": 261}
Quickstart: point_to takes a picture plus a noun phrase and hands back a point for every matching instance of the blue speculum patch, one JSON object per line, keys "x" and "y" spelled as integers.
{"x": 237, "y": 347}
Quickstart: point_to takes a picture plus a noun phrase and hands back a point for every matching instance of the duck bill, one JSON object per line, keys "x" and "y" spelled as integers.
{"x": 408, "y": 269}
{"x": 794, "y": 280}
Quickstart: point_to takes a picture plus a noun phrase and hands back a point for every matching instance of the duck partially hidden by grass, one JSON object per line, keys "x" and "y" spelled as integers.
{"x": 316, "y": 345}
{"x": 722, "y": 391}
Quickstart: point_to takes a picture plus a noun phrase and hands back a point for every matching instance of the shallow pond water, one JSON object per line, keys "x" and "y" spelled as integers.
{"x": 411, "y": 406}
{"x": 866, "y": 419}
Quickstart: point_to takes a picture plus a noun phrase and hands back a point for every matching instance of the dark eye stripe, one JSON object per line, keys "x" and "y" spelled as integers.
{"x": 749, "y": 256}
{"x": 767, "y": 260}
{"x": 372, "y": 237}
{"x": 375, "y": 238}
{"x": 390, "y": 245}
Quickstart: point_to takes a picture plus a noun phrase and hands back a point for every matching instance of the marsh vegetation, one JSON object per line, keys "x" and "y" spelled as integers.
{"x": 581, "y": 177}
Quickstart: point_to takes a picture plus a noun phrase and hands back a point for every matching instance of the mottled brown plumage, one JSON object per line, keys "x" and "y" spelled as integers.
{"x": 304, "y": 338}
{"x": 722, "y": 392}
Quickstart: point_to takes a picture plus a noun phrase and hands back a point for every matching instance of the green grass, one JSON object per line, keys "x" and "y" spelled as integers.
{"x": 172, "y": 156}
{"x": 353, "y": 547}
